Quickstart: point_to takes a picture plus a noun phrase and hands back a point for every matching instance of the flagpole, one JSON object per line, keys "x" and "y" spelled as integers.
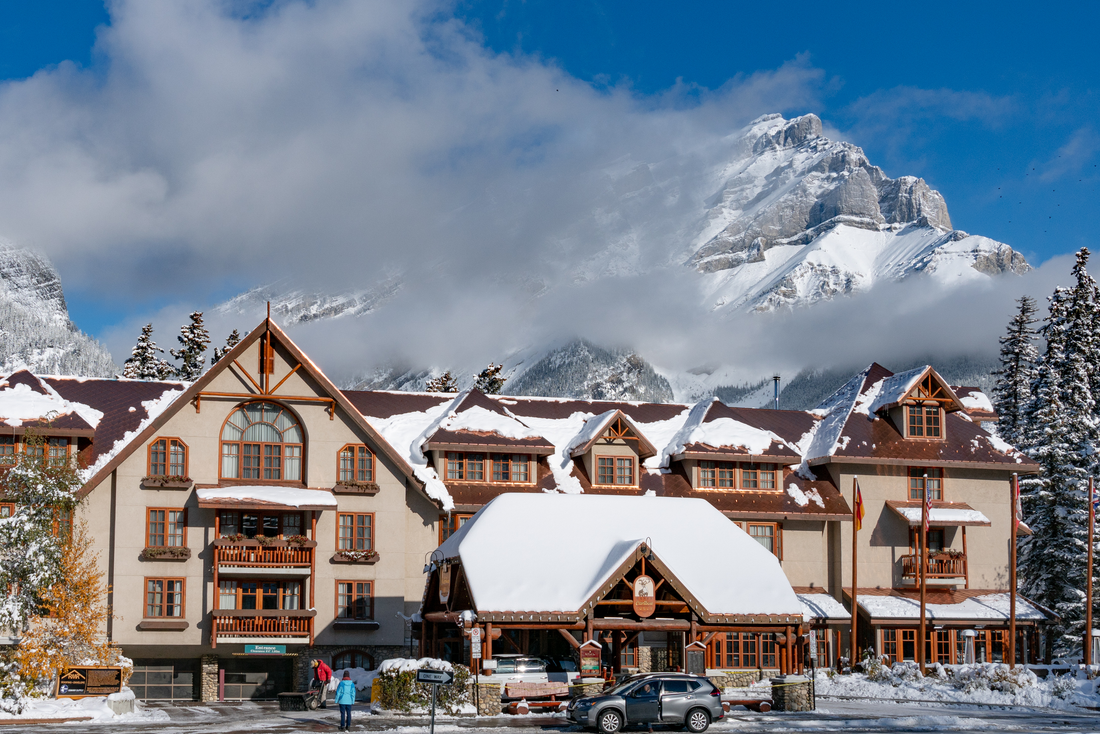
{"x": 923, "y": 576}
{"x": 1012, "y": 573}
{"x": 855, "y": 552}
{"x": 1087, "y": 643}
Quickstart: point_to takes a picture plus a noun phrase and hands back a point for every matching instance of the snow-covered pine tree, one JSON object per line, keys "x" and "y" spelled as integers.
{"x": 1061, "y": 432}
{"x": 1019, "y": 366}
{"x": 144, "y": 364}
{"x": 489, "y": 380}
{"x": 444, "y": 383}
{"x": 193, "y": 339}
{"x": 230, "y": 341}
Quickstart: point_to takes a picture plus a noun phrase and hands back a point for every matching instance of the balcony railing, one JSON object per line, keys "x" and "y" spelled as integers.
{"x": 231, "y": 623}
{"x": 939, "y": 566}
{"x": 251, "y": 554}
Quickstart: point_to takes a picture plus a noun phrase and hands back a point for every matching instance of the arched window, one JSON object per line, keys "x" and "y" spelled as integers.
{"x": 262, "y": 441}
{"x": 353, "y": 659}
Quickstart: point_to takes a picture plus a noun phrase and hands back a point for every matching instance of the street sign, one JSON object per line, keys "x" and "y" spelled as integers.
{"x": 439, "y": 677}
{"x": 475, "y": 643}
{"x": 475, "y": 634}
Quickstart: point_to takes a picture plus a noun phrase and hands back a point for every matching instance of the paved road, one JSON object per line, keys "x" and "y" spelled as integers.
{"x": 832, "y": 716}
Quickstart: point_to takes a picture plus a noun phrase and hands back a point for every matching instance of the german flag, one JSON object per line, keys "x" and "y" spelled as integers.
{"x": 858, "y": 512}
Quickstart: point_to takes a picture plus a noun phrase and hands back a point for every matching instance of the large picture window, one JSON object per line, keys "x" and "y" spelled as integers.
{"x": 167, "y": 458}
{"x": 262, "y": 441}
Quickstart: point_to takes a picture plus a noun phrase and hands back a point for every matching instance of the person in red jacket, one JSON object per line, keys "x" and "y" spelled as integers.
{"x": 322, "y": 674}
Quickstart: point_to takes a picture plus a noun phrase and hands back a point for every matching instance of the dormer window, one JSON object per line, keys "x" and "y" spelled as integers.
{"x": 924, "y": 421}
{"x": 615, "y": 471}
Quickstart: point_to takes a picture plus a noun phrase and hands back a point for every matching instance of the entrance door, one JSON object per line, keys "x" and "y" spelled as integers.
{"x": 165, "y": 680}
{"x": 642, "y": 703}
{"x": 259, "y": 679}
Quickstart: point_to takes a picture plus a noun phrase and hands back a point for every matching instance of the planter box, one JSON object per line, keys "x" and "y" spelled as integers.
{"x": 362, "y": 488}
{"x": 167, "y": 483}
{"x": 346, "y": 558}
{"x": 171, "y": 553}
{"x": 173, "y": 625}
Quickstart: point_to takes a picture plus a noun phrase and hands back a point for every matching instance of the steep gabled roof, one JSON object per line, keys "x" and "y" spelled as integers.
{"x": 29, "y": 403}
{"x": 597, "y": 427}
{"x": 904, "y": 386}
{"x": 740, "y": 433}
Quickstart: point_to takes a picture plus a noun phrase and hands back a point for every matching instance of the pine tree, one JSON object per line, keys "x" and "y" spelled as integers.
{"x": 1019, "y": 358}
{"x": 489, "y": 380}
{"x": 44, "y": 493}
{"x": 1061, "y": 435}
{"x": 230, "y": 341}
{"x": 144, "y": 364}
{"x": 193, "y": 339}
{"x": 444, "y": 383}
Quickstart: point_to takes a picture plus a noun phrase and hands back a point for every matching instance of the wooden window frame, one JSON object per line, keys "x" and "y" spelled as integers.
{"x": 163, "y": 605}
{"x": 759, "y": 468}
{"x": 167, "y": 456}
{"x": 615, "y": 459}
{"x": 355, "y": 524}
{"x": 16, "y": 451}
{"x": 260, "y": 515}
{"x": 47, "y": 447}
{"x": 461, "y": 461}
{"x": 149, "y": 524}
{"x": 919, "y": 475}
{"x": 238, "y": 593}
{"x": 354, "y": 651}
{"x": 924, "y": 427}
{"x": 356, "y": 448}
{"x": 777, "y": 534}
{"x": 370, "y": 595}
{"x": 10, "y": 506}
{"x": 455, "y": 517}
{"x": 58, "y": 523}
{"x": 240, "y": 444}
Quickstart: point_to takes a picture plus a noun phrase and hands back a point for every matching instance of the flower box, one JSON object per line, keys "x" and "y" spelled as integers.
{"x": 167, "y": 482}
{"x": 166, "y": 553}
{"x": 368, "y": 489}
{"x": 237, "y": 541}
{"x": 364, "y": 557}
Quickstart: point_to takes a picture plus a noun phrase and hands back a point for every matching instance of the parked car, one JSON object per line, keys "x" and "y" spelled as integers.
{"x": 651, "y": 698}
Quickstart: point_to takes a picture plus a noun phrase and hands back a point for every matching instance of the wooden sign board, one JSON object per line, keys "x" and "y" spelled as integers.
{"x": 645, "y": 596}
{"x": 695, "y": 659}
{"x": 89, "y": 681}
{"x": 590, "y": 655}
{"x": 444, "y": 583}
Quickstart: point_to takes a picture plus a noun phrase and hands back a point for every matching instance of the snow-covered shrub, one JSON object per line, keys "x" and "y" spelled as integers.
{"x": 399, "y": 691}
{"x": 14, "y": 689}
{"x": 1064, "y": 686}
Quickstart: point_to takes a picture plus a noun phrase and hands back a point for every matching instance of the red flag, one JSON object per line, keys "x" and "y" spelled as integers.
{"x": 927, "y": 504}
{"x": 1019, "y": 504}
{"x": 859, "y": 511}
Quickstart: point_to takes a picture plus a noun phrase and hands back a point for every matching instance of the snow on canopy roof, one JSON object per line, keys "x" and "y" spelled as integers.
{"x": 26, "y": 399}
{"x": 822, "y": 607}
{"x": 957, "y": 513}
{"x": 993, "y": 606}
{"x": 267, "y": 494}
{"x": 974, "y": 400}
{"x": 561, "y": 569}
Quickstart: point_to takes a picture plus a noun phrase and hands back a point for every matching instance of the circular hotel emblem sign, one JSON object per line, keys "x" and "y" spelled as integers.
{"x": 645, "y": 599}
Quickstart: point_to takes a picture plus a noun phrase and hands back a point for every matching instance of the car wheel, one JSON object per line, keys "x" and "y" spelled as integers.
{"x": 697, "y": 721}
{"x": 610, "y": 721}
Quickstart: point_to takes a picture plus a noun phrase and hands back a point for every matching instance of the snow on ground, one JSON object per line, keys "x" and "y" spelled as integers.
{"x": 96, "y": 708}
{"x": 989, "y": 683}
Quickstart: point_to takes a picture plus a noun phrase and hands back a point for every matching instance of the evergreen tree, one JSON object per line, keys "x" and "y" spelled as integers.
{"x": 1061, "y": 435}
{"x": 193, "y": 339}
{"x": 144, "y": 364}
{"x": 1019, "y": 368}
{"x": 230, "y": 341}
{"x": 444, "y": 383}
{"x": 489, "y": 380}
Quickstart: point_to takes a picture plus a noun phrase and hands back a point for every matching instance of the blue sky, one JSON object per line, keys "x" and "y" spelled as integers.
{"x": 218, "y": 141}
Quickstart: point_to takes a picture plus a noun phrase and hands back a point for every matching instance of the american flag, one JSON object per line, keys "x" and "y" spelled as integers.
{"x": 927, "y": 504}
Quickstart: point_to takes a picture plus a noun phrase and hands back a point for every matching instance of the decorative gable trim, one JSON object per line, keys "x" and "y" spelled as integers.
{"x": 620, "y": 426}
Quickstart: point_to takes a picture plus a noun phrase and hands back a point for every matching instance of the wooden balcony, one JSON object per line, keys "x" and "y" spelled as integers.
{"x": 251, "y": 554}
{"x": 238, "y": 625}
{"x": 940, "y": 566}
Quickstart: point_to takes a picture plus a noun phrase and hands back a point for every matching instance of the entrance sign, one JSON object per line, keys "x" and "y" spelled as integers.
{"x": 438, "y": 677}
{"x": 265, "y": 649}
{"x": 645, "y": 596}
{"x": 444, "y": 583}
{"x": 89, "y": 681}
{"x": 590, "y": 653}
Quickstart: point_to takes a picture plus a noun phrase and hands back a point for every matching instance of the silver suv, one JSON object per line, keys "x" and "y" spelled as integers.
{"x": 651, "y": 698}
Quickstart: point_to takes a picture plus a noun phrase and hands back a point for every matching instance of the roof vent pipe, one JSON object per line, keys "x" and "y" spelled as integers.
{"x": 776, "y": 379}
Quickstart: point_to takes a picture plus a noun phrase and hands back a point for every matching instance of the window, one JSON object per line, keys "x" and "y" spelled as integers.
{"x": 615, "y": 471}
{"x": 628, "y": 657}
{"x": 503, "y": 468}
{"x": 758, "y": 476}
{"x": 356, "y": 464}
{"x": 354, "y": 600}
{"x": 353, "y": 659}
{"x": 163, "y": 598}
{"x": 510, "y": 468}
{"x": 735, "y": 650}
{"x": 251, "y": 524}
{"x": 57, "y": 451}
{"x": 821, "y": 642}
{"x": 167, "y": 458}
{"x": 935, "y": 540}
{"x": 355, "y": 531}
{"x": 262, "y": 441}
{"x": 7, "y": 509}
{"x": 766, "y": 534}
{"x": 768, "y": 651}
{"x": 890, "y": 644}
{"x": 265, "y": 594}
{"x": 9, "y": 451}
{"x": 916, "y": 483}
{"x": 717, "y": 474}
{"x": 448, "y": 525}
{"x": 924, "y": 421}
{"x": 166, "y": 527}
{"x": 468, "y": 467}
{"x": 62, "y": 523}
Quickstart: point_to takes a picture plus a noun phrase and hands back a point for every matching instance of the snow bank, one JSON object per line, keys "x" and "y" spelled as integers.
{"x": 405, "y": 665}
{"x": 977, "y": 400}
{"x": 96, "y": 708}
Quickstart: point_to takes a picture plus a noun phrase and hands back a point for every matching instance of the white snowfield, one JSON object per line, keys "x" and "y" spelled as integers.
{"x": 288, "y": 496}
{"x": 987, "y": 608}
{"x": 593, "y": 535}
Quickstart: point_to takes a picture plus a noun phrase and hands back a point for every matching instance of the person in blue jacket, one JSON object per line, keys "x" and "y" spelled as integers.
{"x": 345, "y": 697}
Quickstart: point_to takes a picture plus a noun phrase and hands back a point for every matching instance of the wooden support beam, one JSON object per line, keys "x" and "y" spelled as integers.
{"x": 710, "y": 636}
{"x": 569, "y": 638}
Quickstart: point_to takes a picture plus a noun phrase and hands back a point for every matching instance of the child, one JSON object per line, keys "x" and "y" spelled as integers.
{"x": 345, "y": 697}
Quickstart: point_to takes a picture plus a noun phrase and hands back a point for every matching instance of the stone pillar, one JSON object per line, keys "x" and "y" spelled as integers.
{"x": 645, "y": 659}
{"x": 791, "y": 693}
{"x": 488, "y": 700}
{"x": 209, "y": 677}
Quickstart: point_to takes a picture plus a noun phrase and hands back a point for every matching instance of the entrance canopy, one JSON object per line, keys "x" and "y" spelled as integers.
{"x": 557, "y": 557}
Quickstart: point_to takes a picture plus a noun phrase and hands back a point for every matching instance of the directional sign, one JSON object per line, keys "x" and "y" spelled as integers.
{"x": 441, "y": 677}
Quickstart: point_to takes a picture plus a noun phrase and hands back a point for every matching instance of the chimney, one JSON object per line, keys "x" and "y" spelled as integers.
{"x": 776, "y": 379}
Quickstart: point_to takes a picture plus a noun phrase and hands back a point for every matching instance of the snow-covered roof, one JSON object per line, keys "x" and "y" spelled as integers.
{"x": 952, "y": 515}
{"x": 596, "y": 426}
{"x": 585, "y": 538}
{"x": 991, "y": 607}
{"x": 822, "y": 607}
{"x": 31, "y": 400}
{"x": 892, "y": 390}
{"x": 267, "y": 495}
